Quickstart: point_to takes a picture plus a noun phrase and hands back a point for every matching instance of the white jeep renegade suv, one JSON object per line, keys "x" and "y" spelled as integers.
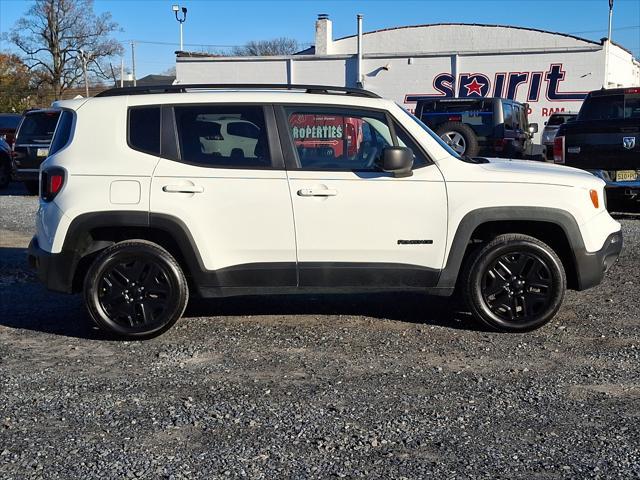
{"x": 144, "y": 200}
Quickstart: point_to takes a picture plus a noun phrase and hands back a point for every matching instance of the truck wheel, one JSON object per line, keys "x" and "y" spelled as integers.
{"x": 515, "y": 283}
{"x": 32, "y": 187}
{"x": 135, "y": 289}
{"x": 5, "y": 172}
{"x": 460, "y": 137}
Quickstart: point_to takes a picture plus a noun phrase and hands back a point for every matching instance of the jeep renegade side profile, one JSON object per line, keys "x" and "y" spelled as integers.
{"x": 315, "y": 189}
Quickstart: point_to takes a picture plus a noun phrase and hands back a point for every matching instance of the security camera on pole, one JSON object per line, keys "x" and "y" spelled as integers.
{"x": 181, "y": 19}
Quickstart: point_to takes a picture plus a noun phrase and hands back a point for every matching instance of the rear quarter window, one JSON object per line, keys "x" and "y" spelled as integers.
{"x": 144, "y": 129}
{"x": 63, "y": 132}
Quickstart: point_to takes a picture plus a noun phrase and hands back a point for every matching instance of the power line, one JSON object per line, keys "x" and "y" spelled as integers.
{"x": 205, "y": 45}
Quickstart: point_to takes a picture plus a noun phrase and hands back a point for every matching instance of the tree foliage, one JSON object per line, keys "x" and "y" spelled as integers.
{"x": 52, "y": 35}
{"x": 275, "y": 46}
{"x": 14, "y": 84}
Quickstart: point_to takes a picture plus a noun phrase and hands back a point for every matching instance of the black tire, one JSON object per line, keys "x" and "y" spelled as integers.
{"x": 471, "y": 147}
{"x": 32, "y": 187}
{"x": 135, "y": 289}
{"x": 515, "y": 283}
{"x": 5, "y": 172}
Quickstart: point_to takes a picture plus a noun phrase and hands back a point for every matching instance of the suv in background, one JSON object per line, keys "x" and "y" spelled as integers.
{"x": 343, "y": 192}
{"x": 32, "y": 145}
{"x": 551, "y": 127}
{"x": 5, "y": 164}
{"x": 605, "y": 140}
{"x": 8, "y": 125}
{"x": 492, "y": 127}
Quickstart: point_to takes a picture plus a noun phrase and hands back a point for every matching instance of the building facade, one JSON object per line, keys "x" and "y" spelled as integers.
{"x": 549, "y": 71}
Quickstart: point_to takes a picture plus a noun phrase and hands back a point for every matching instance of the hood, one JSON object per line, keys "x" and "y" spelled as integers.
{"x": 529, "y": 171}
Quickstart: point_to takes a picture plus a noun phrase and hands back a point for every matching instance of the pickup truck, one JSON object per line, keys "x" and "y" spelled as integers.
{"x": 605, "y": 140}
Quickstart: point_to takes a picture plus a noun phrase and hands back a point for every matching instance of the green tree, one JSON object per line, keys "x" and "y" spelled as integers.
{"x": 14, "y": 84}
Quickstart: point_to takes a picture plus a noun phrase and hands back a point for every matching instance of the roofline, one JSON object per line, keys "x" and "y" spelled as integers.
{"x": 454, "y": 24}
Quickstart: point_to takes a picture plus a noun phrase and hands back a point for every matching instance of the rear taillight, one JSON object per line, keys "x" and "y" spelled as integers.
{"x": 558, "y": 150}
{"x": 51, "y": 182}
{"x": 499, "y": 144}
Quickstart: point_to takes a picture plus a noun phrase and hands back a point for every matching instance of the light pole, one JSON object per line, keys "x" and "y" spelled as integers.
{"x": 85, "y": 57}
{"x": 180, "y": 20}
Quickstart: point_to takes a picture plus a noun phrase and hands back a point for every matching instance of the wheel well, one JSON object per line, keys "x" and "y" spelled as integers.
{"x": 97, "y": 239}
{"x": 550, "y": 233}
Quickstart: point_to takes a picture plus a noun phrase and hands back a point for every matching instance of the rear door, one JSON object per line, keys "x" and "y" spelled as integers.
{"x": 357, "y": 226}
{"x": 230, "y": 191}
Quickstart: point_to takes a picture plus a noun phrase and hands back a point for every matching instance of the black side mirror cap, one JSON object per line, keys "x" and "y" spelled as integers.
{"x": 396, "y": 160}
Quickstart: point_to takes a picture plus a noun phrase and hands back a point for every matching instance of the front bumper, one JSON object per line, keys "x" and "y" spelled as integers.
{"x": 55, "y": 270}
{"x": 591, "y": 267}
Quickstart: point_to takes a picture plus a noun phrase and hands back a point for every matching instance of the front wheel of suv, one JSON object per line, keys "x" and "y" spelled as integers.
{"x": 515, "y": 283}
{"x": 135, "y": 289}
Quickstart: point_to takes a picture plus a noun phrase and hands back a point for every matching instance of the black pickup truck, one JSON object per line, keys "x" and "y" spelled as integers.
{"x": 605, "y": 140}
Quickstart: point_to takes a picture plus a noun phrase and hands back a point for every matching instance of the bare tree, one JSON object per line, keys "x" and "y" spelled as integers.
{"x": 275, "y": 46}
{"x": 52, "y": 35}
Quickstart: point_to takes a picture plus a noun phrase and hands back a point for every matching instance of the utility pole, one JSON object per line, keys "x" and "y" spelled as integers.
{"x": 133, "y": 62}
{"x": 83, "y": 56}
{"x": 121, "y": 72}
{"x": 607, "y": 46}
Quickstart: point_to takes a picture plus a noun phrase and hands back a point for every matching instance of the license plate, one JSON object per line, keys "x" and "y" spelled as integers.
{"x": 42, "y": 152}
{"x": 626, "y": 176}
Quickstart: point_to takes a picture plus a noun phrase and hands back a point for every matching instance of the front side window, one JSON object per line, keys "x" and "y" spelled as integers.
{"x": 223, "y": 136}
{"x": 338, "y": 139}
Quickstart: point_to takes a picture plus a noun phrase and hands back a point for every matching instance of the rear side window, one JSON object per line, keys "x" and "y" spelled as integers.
{"x": 63, "y": 132}
{"x": 508, "y": 116}
{"x": 144, "y": 129}
{"x": 223, "y": 136}
{"x": 38, "y": 128}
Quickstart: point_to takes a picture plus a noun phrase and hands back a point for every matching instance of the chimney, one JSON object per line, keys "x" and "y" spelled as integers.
{"x": 324, "y": 35}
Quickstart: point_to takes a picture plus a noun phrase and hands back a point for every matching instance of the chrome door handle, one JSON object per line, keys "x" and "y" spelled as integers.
{"x": 317, "y": 192}
{"x": 182, "y": 189}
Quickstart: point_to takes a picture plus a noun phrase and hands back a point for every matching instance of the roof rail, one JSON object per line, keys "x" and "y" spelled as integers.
{"x": 183, "y": 88}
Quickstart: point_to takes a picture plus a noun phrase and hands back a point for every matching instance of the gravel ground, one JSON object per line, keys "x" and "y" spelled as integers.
{"x": 376, "y": 386}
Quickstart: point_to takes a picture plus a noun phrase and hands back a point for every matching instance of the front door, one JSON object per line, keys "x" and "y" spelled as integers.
{"x": 227, "y": 185}
{"x": 355, "y": 225}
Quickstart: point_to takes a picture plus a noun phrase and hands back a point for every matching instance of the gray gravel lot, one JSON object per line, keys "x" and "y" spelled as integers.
{"x": 376, "y": 386}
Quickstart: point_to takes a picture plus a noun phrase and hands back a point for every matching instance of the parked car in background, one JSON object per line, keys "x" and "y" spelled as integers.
{"x": 32, "y": 145}
{"x": 551, "y": 127}
{"x": 492, "y": 127}
{"x": 8, "y": 125}
{"x": 343, "y": 192}
{"x": 605, "y": 140}
{"x": 5, "y": 164}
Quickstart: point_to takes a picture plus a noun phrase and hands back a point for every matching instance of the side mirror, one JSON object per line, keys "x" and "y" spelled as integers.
{"x": 396, "y": 160}
{"x": 533, "y": 128}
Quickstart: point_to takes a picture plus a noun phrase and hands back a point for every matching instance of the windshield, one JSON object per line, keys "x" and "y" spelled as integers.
{"x": 441, "y": 142}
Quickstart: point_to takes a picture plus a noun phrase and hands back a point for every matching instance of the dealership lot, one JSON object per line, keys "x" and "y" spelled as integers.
{"x": 362, "y": 385}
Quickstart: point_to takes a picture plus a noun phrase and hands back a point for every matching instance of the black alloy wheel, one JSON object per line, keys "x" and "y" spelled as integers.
{"x": 515, "y": 283}
{"x": 135, "y": 289}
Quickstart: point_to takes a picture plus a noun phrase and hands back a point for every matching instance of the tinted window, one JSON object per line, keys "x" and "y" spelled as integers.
{"x": 243, "y": 129}
{"x": 9, "y": 121}
{"x": 632, "y": 106}
{"x": 144, "y": 129}
{"x": 38, "y": 127}
{"x": 204, "y": 142}
{"x": 605, "y": 107}
{"x": 559, "y": 119}
{"x": 337, "y": 139}
{"x": 508, "y": 116}
{"x": 63, "y": 132}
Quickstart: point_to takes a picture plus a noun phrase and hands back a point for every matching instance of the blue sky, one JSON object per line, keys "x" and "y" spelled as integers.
{"x": 236, "y": 22}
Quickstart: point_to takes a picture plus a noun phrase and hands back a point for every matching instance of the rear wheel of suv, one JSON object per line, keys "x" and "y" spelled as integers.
{"x": 460, "y": 137}
{"x": 135, "y": 289}
{"x": 515, "y": 283}
{"x": 32, "y": 187}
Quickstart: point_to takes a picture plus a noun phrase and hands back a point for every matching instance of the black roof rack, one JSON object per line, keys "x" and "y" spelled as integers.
{"x": 182, "y": 88}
